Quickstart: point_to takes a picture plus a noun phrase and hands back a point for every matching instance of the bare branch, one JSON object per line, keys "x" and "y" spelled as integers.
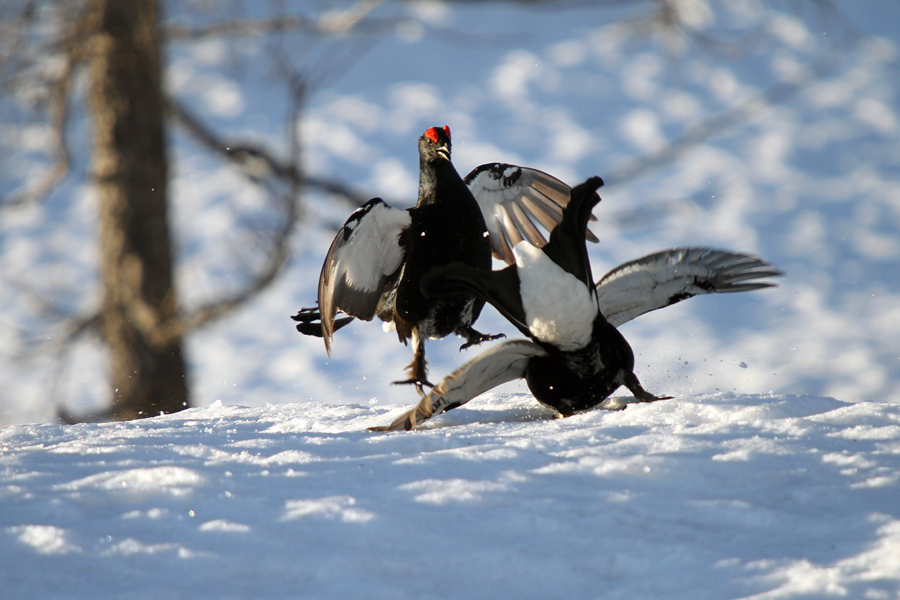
{"x": 13, "y": 32}
{"x": 728, "y": 119}
{"x": 338, "y": 189}
{"x": 334, "y": 24}
{"x": 260, "y": 165}
{"x": 72, "y": 43}
{"x": 242, "y": 28}
{"x": 59, "y": 150}
{"x": 279, "y": 254}
{"x": 257, "y": 162}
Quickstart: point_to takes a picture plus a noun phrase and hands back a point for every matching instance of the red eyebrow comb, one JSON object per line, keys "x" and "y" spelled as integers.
{"x": 432, "y": 133}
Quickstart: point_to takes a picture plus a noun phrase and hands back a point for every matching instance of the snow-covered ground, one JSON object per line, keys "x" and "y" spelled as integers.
{"x": 711, "y": 496}
{"x": 809, "y": 181}
{"x": 774, "y": 473}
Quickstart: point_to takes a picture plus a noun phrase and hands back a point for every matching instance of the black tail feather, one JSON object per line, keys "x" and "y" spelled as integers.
{"x": 566, "y": 246}
{"x": 309, "y": 322}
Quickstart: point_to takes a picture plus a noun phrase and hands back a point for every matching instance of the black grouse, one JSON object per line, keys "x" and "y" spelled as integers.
{"x": 377, "y": 259}
{"x": 575, "y": 358}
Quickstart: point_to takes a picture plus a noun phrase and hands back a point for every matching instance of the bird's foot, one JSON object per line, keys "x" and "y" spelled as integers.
{"x": 642, "y": 395}
{"x": 309, "y": 314}
{"x": 648, "y": 397}
{"x": 417, "y": 371}
{"x": 309, "y": 321}
{"x": 419, "y": 382}
{"x": 474, "y": 337}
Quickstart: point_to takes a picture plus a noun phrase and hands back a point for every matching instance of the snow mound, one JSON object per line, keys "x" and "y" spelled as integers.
{"x": 707, "y": 496}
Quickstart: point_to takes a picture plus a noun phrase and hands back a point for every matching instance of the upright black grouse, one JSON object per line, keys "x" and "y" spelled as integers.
{"x": 377, "y": 259}
{"x": 576, "y": 357}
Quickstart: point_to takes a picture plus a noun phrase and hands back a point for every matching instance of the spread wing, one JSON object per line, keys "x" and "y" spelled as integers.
{"x": 664, "y": 278}
{"x": 503, "y": 362}
{"x": 364, "y": 259}
{"x": 515, "y": 201}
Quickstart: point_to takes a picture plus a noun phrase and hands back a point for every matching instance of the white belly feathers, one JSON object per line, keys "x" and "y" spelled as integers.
{"x": 559, "y": 309}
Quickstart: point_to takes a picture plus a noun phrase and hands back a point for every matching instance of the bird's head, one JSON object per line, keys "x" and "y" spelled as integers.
{"x": 435, "y": 144}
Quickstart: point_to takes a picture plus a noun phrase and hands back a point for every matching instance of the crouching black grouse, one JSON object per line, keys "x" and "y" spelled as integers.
{"x": 576, "y": 358}
{"x": 377, "y": 259}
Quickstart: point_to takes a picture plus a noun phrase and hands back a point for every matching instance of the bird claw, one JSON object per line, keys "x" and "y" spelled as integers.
{"x": 309, "y": 322}
{"x": 648, "y": 397}
{"x": 418, "y": 382}
{"x": 477, "y": 338}
{"x": 640, "y": 394}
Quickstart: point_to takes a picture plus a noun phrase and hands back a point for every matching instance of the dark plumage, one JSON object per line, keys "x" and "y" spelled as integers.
{"x": 575, "y": 357}
{"x": 377, "y": 259}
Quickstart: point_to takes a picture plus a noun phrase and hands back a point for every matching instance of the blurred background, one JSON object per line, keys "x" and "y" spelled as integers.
{"x": 173, "y": 172}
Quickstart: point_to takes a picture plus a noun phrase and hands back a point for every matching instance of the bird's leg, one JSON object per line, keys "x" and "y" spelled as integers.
{"x": 309, "y": 321}
{"x": 418, "y": 368}
{"x": 476, "y": 337}
{"x": 642, "y": 395}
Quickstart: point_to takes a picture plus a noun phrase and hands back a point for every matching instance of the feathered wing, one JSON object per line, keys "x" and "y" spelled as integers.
{"x": 364, "y": 259}
{"x": 503, "y": 362}
{"x": 665, "y": 278}
{"x": 514, "y": 201}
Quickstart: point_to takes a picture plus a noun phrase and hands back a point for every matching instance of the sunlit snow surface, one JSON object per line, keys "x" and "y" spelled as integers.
{"x": 811, "y": 183}
{"x": 774, "y": 473}
{"x": 703, "y": 497}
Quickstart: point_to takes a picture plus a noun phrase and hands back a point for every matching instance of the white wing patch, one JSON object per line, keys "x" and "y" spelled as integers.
{"x": 664, "y": 278}
{"x": 518, "y": 204}
{"x": 363, "y": 257}
{"x": 372, "y": 249}
{"x": 559, "y": 308}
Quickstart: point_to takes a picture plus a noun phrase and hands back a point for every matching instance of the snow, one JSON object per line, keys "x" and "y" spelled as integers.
{"x": 772, "y": 474}
{"x": 706, "y": 496}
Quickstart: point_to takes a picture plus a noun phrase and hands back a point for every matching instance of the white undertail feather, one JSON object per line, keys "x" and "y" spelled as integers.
{"x": 559, "y": 308}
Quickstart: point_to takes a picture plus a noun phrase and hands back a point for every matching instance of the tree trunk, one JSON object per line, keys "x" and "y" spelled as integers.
{"x": 148, "y": 372}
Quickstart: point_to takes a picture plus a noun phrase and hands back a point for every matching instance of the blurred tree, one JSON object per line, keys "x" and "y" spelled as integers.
{"x": 148, "y": 373}
{"x": 119, "y": 45}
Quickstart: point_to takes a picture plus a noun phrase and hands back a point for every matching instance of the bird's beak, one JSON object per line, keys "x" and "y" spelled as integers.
{"x": 443, "y": 151}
